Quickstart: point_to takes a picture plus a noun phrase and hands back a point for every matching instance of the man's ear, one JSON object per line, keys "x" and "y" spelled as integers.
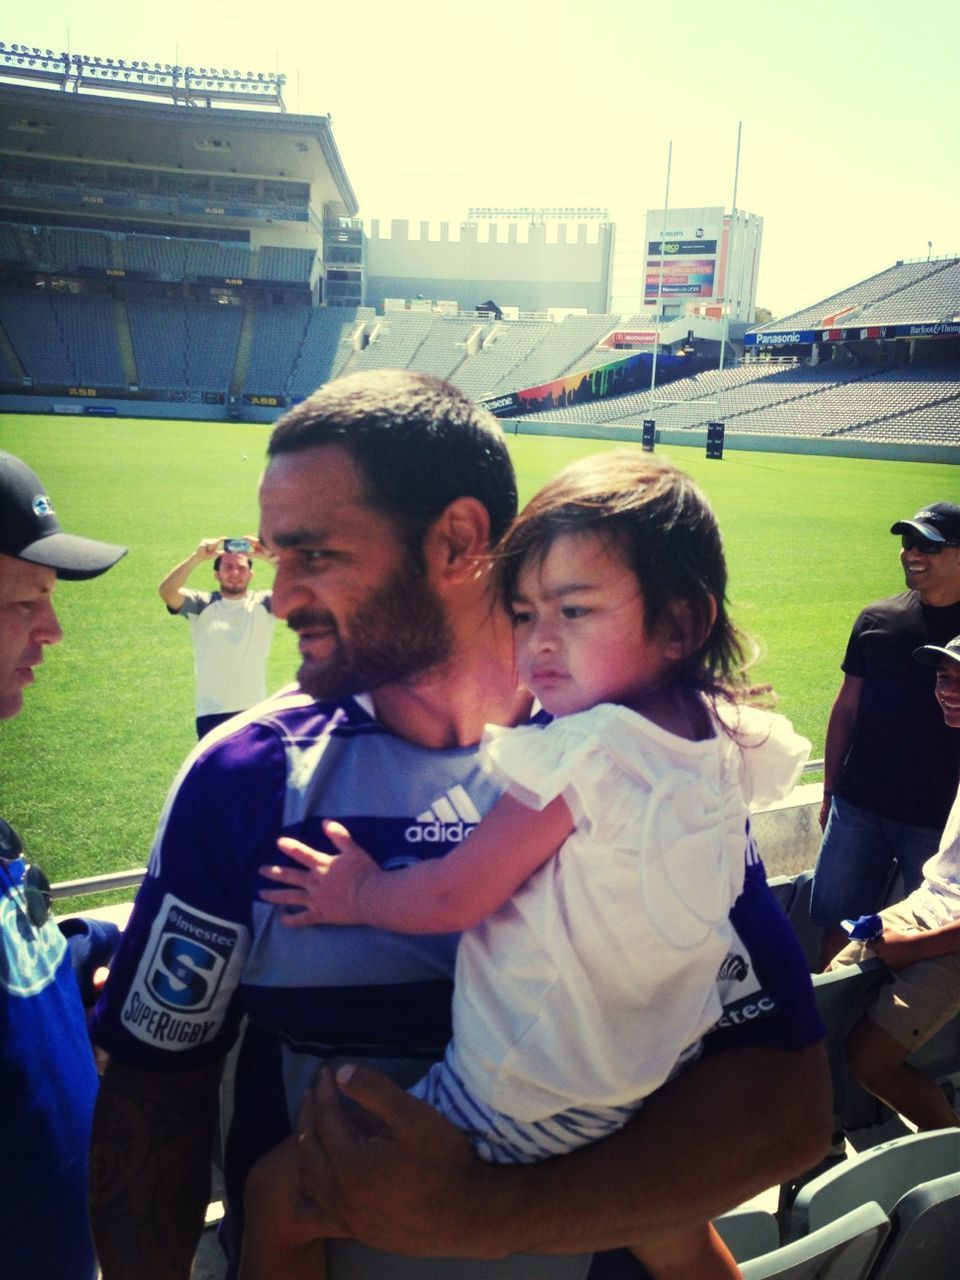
{"x": 682, "y": 633}
{"x": 456, "y": 547}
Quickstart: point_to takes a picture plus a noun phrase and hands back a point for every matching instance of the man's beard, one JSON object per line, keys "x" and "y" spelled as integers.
{"x": 398, "y": 632}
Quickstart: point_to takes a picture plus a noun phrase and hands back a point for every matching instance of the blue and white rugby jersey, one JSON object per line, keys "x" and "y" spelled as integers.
{"x": 48, "y": 1087}
{"x": 201, "y": 951}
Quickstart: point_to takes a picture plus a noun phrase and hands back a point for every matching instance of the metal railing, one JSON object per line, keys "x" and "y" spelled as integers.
{"x": 131, "y": 879}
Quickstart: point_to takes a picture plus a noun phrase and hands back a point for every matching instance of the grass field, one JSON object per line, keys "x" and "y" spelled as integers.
{"x": 84, "y": 771}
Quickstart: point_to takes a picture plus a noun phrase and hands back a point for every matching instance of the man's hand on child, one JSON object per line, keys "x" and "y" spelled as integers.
{"x": 898, "y": 950}
{"x": 389, "y": 1170}
{"x": 325, "y": 888}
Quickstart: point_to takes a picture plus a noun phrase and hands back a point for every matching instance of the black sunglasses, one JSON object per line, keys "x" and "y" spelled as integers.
{"x": 913, "y": 542}
{"x": 28, "y": 878}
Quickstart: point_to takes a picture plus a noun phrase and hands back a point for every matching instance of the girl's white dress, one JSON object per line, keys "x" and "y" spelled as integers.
{"x": 597, "y": 979}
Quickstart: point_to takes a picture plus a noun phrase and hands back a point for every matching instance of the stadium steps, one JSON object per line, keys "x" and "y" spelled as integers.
{"x": 819, "y": 390}
{"x": 892, "y": 417}
{"x": 244, "y": 347}
{"x": 863, "y": 311}
{"x": 128, "y": 361}
{"x": 11, "y": 360}
{"x": 26, "y": 244}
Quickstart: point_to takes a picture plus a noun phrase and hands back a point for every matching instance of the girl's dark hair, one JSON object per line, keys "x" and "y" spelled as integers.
{"x": 669, "y": 537}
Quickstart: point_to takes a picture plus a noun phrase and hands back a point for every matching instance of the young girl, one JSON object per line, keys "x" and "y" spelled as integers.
{"x": 595, "y": 895}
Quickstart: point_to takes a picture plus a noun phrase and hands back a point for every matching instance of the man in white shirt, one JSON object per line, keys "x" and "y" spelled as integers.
{"x": 921, "y": 946}
{"x": 231, "y": 627}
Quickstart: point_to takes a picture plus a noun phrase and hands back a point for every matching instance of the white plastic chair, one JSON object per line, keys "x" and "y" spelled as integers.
{"x": 842, "y": 998}
{"x": 747, "y": 1233}
{"x": 882, "y": 1174}
{"x": 924, "y": 1239}
{"x": 841, "y": 1250}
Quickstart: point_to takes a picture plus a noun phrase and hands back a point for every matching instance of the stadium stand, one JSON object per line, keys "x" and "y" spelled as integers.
{"x": 58, "y": 338}
{"x": 184, "y": 345}
{"x": 134, "y": 280}
{"x": 10, "y": 248}
{"x": 278, "y": 335}
{"x": 56, "y": 247}
{"x": 326, "y": 347}
{"x": 795, "y": 400}
{"x": 89, "y": 333}
{"x": 444, "y": 350}
{"x": 933, "y": 297}
{"x": 505, "y": 347}
{"x": 285, "y": 264}
{"x": 29, "y": 321}
{"x": 173, "y": 258}
{"x": 160, "y": 257}
{"x": 562, "y": 347}
{"x": 866, "y": 295}
{"x": 395, "y": 340}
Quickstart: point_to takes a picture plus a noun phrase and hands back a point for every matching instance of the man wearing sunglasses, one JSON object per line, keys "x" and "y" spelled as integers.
{"x": 920, "y": 945}
{"x": 890, "y": 763}
{"x": 47, "y": 1078}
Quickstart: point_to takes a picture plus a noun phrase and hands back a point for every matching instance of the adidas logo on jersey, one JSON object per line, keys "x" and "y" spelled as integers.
{"x": 449, "y": 819}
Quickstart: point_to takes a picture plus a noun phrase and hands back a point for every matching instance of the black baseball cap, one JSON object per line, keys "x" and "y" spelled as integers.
{"x": 29, "y": 529}
{"x": 939, "y": 522}
{"x": 931, "y": 654}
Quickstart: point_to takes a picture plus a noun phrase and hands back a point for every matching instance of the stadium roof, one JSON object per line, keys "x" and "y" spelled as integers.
{"x": 70, "y": 126}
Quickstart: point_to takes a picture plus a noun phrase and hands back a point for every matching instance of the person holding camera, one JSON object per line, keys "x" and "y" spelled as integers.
{"x": 232, "y": 627}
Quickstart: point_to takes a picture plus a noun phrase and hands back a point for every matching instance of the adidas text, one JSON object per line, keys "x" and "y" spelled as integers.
{"x": 438, "y": 832}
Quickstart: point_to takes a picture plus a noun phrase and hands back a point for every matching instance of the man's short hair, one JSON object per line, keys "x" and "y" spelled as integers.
{"x": 216, "y": 563}
{"x": 419, "y": 442}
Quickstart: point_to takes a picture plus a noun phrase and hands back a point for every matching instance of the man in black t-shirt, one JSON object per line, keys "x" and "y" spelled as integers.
{"x": 891, "y": 766}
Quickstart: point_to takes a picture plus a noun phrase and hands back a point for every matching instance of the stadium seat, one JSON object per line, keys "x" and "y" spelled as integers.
{"x": 842, "y": 997}
{"x": 748, "y": 1233}
{"x": 924, "y": 1239}
{"x": 882, "y": 1174}
{"x": 843, "y": 1249}
{"x": 808, "y": 933}
{"x": 784, "y": 889}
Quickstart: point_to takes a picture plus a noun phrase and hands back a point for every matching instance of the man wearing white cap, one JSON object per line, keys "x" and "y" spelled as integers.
{"x": 921, "y": 945}
{"x": 890, "y": 763}
{"x": 48, "y": 1083}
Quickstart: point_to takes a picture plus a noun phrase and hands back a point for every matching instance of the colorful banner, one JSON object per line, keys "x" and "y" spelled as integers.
{"x": 628, "y": 374}
{"x": 855, "y": 333}
{"x": 689, "y": 276}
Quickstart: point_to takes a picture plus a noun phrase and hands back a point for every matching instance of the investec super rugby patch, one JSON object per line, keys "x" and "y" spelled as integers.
{"x": 188, "y": 972}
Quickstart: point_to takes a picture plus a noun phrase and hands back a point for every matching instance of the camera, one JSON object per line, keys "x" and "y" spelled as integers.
{"x": 238, "y": 544}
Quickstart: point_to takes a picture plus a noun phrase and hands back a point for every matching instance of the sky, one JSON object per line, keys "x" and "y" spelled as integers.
{"x": 849, "y": 112}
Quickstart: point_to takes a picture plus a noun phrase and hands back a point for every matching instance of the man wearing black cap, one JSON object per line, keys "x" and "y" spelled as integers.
{"x": 47, "y": 1078}
{"x": 890, "y": 763}
{"x": 921, "y": 945}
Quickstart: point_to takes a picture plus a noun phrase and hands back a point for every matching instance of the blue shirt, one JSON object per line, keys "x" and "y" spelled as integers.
{"x": 48, "y": 1086}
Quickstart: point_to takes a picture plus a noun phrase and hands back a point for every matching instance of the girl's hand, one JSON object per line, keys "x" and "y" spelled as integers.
{"x": 325, "y": 888}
